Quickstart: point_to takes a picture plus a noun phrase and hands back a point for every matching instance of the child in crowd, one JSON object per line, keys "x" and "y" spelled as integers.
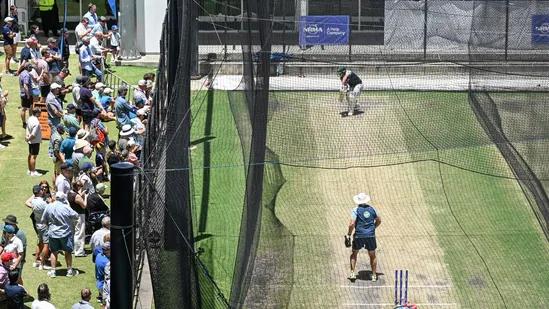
{"x": 115, "y": 42}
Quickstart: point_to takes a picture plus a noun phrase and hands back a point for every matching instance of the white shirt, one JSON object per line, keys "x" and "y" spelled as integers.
{"x": 62, "y": 184}
{"x": 33, "y": 127}
{"x": 115, "y": 38}
{"x": 96, "y": 240}
{"x": 87, "y": 183}
{"x": 95, "y": 46}
{"x": 14, "y": 245}
{"x": 41, "y": 304}
{"x": 80, "y": 30}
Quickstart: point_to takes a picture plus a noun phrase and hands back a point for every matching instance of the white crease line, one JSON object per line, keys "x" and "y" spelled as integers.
{"x": 392, "y": 286}
{"x": 391, "y": 304}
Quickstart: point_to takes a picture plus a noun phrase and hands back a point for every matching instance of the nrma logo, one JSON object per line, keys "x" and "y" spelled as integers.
{"x": 543, "y": 28}
{"x": 312, "y": 29}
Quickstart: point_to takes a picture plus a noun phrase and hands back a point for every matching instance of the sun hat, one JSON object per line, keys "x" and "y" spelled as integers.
{"x": 10, "y": 219}
{"x": 361, "y": 198}
{"x": 127, "y": 130}
{"x": 82, "y": 134}
{"x": 8, "y": 19}
{"x": 79, "y": 144}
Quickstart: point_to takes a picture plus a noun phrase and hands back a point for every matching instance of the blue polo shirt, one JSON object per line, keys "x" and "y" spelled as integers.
{"x": 101, "y": 261}
{"x": 5, "y": 33}
{"x": 365, "y": 218}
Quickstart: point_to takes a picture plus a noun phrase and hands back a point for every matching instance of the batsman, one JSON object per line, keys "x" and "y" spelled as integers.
{"x": 351, "y": 86}
{"x": 364, "y": 221}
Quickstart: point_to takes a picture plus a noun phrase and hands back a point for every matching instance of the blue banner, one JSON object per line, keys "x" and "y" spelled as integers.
{"x": 540, "y": 29}
{"x": 324, "y": 30}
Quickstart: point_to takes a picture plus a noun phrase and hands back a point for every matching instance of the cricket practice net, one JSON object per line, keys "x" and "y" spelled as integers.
{"x": 251, "y": 170}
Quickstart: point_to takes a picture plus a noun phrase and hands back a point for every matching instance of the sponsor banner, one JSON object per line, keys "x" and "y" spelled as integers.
{"x": 540, "y": 29}
{"x": 324, "y": 30}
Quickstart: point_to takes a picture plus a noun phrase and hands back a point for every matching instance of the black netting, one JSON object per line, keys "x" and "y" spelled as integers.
{"x": 450, "y": 139}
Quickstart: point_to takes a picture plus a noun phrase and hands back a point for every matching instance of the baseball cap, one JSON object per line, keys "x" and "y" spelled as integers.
{"x": 86, "y": 166}
{"x": 103, "y": 18}
{"x": 142, "y": 83}
{"x": 7, "y": 257}
{"x": 60, "y": 127}
{"x": 8, "y": 19}
{"x": 99, "y": 85}
{"x": 52, "y": 40}
{"x": 72, "y": 131}
{"x": 55, "y": 86}
{"x": 10, "y": 229}
{"x": 107, "y": 91}
{"x": 114, "y": 27}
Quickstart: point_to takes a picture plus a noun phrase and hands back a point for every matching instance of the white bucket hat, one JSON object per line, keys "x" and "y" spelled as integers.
{"x": 361, "y": 198}
{"x": 126, "y": 130}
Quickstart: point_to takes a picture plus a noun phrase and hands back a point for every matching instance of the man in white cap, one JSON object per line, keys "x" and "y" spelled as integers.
{"x": 54, "y": 105}
{"x": 140, "y": 94}
{"x": 8, "y": 36}
{"x": 364, "y": 221}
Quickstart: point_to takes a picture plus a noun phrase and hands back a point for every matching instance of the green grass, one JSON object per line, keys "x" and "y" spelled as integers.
{"x": 483, "y": 224}
{"x": 15, "y": 188}
{"x": 218, "y": 184}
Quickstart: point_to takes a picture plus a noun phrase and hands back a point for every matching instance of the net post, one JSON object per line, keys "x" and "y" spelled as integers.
{"x": 122, "y": 232}
{"x": 506, "y": 29}
{"x": 425, "y": 9}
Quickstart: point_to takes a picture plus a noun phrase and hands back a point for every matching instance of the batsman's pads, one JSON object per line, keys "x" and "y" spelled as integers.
{"x": 347, "y": 241}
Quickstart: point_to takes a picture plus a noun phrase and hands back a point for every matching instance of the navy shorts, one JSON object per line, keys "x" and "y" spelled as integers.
{"x": 368, "y": 243}
{"x": 62, "y": 244}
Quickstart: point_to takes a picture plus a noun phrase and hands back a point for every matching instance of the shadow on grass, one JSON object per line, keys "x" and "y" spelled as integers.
{"x": 366, "y": 275}
{"x": 202, "y": 140}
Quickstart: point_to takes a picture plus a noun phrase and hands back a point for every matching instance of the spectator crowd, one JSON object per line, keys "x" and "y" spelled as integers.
{"x": 68, "y": 210}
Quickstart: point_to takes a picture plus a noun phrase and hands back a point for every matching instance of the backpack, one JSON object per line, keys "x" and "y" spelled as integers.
{"x": 96, "y": 134}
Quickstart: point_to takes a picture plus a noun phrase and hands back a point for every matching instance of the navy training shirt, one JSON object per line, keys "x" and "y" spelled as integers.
{"x": 365, "y": 221}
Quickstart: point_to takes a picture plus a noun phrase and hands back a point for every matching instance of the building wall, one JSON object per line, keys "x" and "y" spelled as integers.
{"x": 150, "y": 16}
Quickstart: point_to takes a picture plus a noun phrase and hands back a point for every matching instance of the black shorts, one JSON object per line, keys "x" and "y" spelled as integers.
{"x": 44, "y": 90}
{"x": 34, "y": 149}
{"x": 368, "y": 243}
{"x": 26, "y": 102}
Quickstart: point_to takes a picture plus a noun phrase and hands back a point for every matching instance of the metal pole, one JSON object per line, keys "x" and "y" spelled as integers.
{"x": 122, "y": 231}
{"x": 283, "y": 26}
{"x": 225, "y": 31}
{"x": 425, "y": 30}
{"x": 350, "y": 44}
{"x": 506, "y": 29}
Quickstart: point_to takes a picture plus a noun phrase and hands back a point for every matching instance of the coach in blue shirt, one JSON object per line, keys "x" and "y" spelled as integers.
{"x": 364, "y": 221}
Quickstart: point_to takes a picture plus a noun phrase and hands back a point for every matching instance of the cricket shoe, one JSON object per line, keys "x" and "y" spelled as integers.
{"x": 352, "y": 276}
